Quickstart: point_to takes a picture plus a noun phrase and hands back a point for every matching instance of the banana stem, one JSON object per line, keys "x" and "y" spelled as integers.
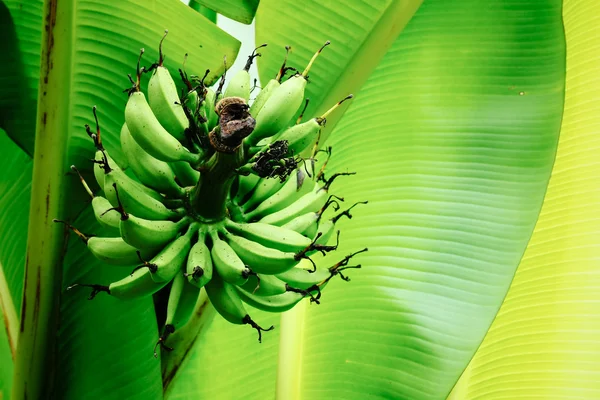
{"x": 209, "y": 196}
{"x": 182, "y": 340}
{"x": 289, "y": 372}
{"x": 36, "y": 348}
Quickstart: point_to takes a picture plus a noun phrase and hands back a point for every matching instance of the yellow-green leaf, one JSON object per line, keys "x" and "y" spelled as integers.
{"x": 545, "y": 341}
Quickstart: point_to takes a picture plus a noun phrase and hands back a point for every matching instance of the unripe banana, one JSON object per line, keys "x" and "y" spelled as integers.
{"x": 294, "y": 188}
{"x": 115, "y": 251}
{"x": 180, "y": 307}
{"x": 312, "y": 201}
{"x": 239, "y": 86}
{"x": 270, "y": 87}
{"x": 150, "y": 135}
{"x": 265, "y": 188}
{"x": 226, "y": 300}
{"x": 246, "y": 185}
{"x": 138, "y": 284}
{"x": 164, "y": 102}
{"x": 305, "y": 224}
{"x": 270, "y": 235}
{"x": 264, "y": 285}
{"x": 199, "y": 269}
{"x": 98, "y": 168}
{"x": 120, "y": 177}
{"x": 149, "y": 170}
{"x": 275, "y": 303}
{"x": 302, "y": 278}
{"x": 185, "y": 174}
{"x": 281, "y": 106}
{"x": 262, "y": 97}
{"x": 303, "y": 136}
{"x": 137, "y": 202}
{"x": 261, "y": 259}
{"x": 208, "y": 107}
{"x": 104, "y": 212}
{"x": 326, "y": 228}
{"x": 227, "y": 263}
{"x": 143, "y": 234}
{"x": 171, "y": 259}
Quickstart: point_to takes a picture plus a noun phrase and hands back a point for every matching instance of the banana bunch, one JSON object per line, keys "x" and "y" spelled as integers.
{"x": 213, "y": 195}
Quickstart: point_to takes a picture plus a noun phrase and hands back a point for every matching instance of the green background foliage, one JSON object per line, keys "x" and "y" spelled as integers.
{"x": 461, "y": 108}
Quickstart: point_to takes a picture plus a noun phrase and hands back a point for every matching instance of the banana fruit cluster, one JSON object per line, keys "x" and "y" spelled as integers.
{"x": 213, "y": 195}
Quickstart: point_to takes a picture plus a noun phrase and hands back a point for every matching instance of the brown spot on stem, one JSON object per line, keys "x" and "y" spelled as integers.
{"x": 24, "y": 305}
{"x": 49, "y": 24}
{"x": 47, "y": 201}
{"x": 44, "y": 117}
{"x": 38, "y": 290}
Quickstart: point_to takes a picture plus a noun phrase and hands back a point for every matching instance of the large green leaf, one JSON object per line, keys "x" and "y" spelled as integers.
{"x": 360, "y": 32}
{"x": 453, "y": 138}
{"x": 15, "y": 193}
{"x": 14, "y": 206}
{"x": 544, "y": 342}
{"x": 88, "y": 47}
{"x": 239, "y": 10}
{"x": 21, "y": 29}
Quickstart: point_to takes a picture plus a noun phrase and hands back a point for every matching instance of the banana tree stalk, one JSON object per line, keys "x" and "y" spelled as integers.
{"x": 39, "y": 311}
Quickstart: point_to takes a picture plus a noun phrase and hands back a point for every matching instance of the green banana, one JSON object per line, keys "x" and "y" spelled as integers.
{"x": 120, "y": 176}
{"x": 275, "y": 303}
{"x": 303, "y": 279}
{"x": 99, "y": 171}
{"x": 246, "y": 185}
{"x": 270, "y": 235}
{"x": 115, "y": 251}
{"x": 137, "y": 202}
{"x": 292, "y": 190}
{"x": 264, "y": 285}
{"x": 142, "y": 233}
{"x": 199, "y": 270}
{"x": 150, "y": 135}
{"x": 185, "y": 174}
{"x": 281, "y": 106}
{"x": 265, "y": 188}
{"x": 164, "y": 99}
{"x": 239, "y": 85}
{"x": 180, "y": 307}
{"x": 262, "y": 97}
{"x": 171, "y": 259}
{"x": 270, "y": 87}
{"x": 226, "y": 300}
{"x": 182, "y": 299}
{"x": 312, "y": 201}
{"x": 306, "y": 224}
{"x": 149, "y": 170}
{"x": 227, "y": 263}
{"x": 261, "y": 259}
{"x": 104, "y": 212}
{"x": 138, "y": 284}
{"x": 306, "y": 279}
{"x": 302, "y": 136}
{"x": 208, "y": 109}
{"x": 325, "y": 229}
{"x": 111, "y": 250}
